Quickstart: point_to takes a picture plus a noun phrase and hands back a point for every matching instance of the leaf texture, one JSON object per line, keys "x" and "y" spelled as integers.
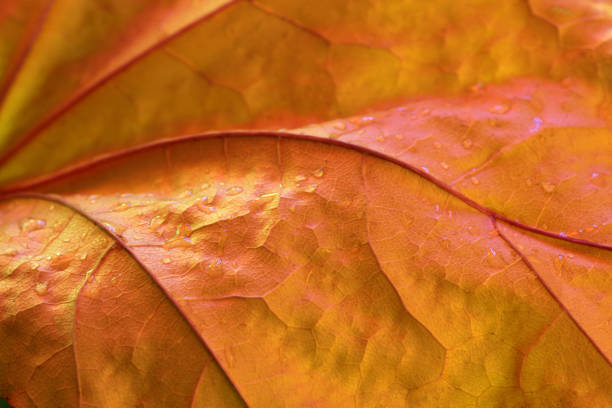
{"x": 265, "y": 203}
{"x": 300, "y": 262}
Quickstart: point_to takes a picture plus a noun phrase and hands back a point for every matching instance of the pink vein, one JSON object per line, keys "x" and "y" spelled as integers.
{"x": 361, "y": 149}
{"x": 548, "y": 289}
{"x": 123, "y": 246}
{"x": 25, "y": 52}
{"x": 84, "y": 93}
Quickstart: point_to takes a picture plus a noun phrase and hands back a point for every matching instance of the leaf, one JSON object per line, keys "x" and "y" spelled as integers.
{"x": 447, "y": 250}
{"x": 141, "y": 72}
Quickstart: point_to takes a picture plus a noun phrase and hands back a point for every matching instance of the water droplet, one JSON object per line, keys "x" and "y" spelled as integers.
{"x": 232, "y": 191}
{"x": 83, "y": 256}
{"x": 157, "y": 222}
{"x": 380, "y": 138}
{"x": 499, "y": 109}
{"x": 594, "y": 175}
{"x": 166, "y": 260}
{"x": 426, "y": 169}
{"x": 51, "y": 207}
{"x": 340, "y": 125}
{"x": 537, "y": 123}
{"x": 122, "y": 206}
{"x": 31, "y": 224}
{"x": 548, "y": 186}
{"x": 300, "y": 177}
{"x": 563, "y": 234}
{"x": 467, "y": 143}
{"x": 41, "y": 288}
{"x": 399, "y": 137}
{"x": 444, "y": 165}
{"x": 559, "y": 262}
{"x": 90, "y": 275}
{"x": 474, "y": 180}
{"x": 367, "y": 118}
{"x": 60, "y": 261}
{"x": 318, "y": 173}
{"x": 109, "y": 227}
{"x": 425, "y": 112}
{"x": 493, "y": 251}
{"x": 311, "y": 188}
{"x": 437, "y": 144}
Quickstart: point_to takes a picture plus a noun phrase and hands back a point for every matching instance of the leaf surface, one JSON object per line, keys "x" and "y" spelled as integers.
{"x": 178, "y": 67}
{"x": 430, "y": 227}
{"x": 300, "y": 262}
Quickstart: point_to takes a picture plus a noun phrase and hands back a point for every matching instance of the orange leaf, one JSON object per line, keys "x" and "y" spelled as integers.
{"x": 433, "y": 230}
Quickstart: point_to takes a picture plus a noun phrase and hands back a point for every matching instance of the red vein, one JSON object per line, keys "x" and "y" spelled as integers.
{"x": 548, "y": 289}
{"x": 91, "y": 88}
{"x": 22, "y": 56}
{"x": 124, "y": 247}
{"x": 53, "y": 177}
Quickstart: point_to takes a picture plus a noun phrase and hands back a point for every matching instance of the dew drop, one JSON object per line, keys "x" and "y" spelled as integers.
{"x": 60, "y": 261}
{"x": 537, "y": 123}
{"x": 31, "y": 224}
{"x": 444, "y": 165}
{"x": 493, "y": 251}
{"x": 318, "y": 173}
{"x": 467, "y": 143}
{"x": 41, "y": 288}
{"x": 109, "y": 227}
{"x": 426, "y": 169}
{"x": 166, "y": 260}
{"x": 340, "y": 125}
{"x": 122, "y": 207}
{"x": 399, "y": 137}
{"x": 156, "y": 222}
{"x": 311, "y": 188}
{"x": 425, "y": 112}
{"x": 300, "y": 177}
{"x": 380, "y": 138}
{"x": 83, "y": 256}
{"x": 499, "y": 109}
{"x": 232, "y": 191}
{"x": 474, "y": 180}
{"x": 548, "y": 186}
{"x": 367, "y": 118}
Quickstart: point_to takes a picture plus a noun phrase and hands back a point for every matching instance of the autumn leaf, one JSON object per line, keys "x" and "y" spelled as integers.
{"x": 265, "y": 203}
